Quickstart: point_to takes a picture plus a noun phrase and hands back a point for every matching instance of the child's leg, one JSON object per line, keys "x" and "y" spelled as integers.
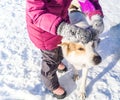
{"x": 50, "y": 61}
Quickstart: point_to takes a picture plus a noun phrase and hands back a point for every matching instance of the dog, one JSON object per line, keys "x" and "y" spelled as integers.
{"x": 81, "y": 56}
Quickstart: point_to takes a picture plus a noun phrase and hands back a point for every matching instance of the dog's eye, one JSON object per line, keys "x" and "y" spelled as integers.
{"x": 81, "y": 49}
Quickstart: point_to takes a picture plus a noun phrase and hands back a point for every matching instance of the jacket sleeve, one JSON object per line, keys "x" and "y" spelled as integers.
{"x": 90, "y": 7}
{"x": 36, "y": 10}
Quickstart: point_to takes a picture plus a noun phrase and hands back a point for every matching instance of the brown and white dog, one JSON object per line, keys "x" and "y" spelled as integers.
{"x": 81, "y": 56}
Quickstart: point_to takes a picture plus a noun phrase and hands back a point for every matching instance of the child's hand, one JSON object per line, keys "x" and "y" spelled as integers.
{"x": 96, "y": 22}
{"x": 76, "y": 34}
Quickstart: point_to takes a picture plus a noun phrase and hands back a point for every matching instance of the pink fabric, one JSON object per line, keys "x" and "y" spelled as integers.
{"x": 91, "y": 7}
{"x": 87, "y": 6}
{"x": 43, "y": 18}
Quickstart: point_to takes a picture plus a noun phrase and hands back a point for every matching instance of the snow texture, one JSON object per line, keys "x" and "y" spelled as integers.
{"x": 20, "y": 60}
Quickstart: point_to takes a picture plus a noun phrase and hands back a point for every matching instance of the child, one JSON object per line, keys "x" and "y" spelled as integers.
{"x": 47, "y": 23}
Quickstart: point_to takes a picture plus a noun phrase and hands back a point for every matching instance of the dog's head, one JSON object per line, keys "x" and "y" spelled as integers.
{"x": 79, "y": 54}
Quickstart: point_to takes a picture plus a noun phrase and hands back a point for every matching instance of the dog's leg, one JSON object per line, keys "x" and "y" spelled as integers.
{"x": 75, "y": 74}
{"x": 96, "y": 42}
{"x": 83, "y": 83}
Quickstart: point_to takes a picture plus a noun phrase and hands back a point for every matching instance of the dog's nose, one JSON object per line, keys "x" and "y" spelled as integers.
{"x": 97, "y": 59}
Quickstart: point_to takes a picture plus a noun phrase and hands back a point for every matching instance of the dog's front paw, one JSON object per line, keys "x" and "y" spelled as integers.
{"x": 75, "y": 77}
{"x": 82, "y": 96}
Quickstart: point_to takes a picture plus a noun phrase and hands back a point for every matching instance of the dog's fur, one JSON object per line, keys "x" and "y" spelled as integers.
{"x": 81, "y": 56}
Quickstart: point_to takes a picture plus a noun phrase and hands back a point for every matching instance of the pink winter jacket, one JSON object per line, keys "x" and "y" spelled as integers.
{"x": 91, "y": 7}
{"x": 43, "y": 18}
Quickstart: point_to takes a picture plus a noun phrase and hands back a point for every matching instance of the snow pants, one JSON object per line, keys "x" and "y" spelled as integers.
{"x": 50, "y": 61}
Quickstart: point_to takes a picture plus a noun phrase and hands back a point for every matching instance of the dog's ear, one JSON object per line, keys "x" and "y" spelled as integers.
{"x": 63, "y": 44}
{"x": 68, "y": 46}
{"x": 71, "y": 47}
{"x": 65, "y": 48}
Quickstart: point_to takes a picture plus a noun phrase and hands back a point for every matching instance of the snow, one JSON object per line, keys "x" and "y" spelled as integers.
{"x": 20, "y": 60}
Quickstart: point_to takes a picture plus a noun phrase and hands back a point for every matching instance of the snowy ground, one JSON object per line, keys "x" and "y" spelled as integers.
{"x": 20, "y": 60}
